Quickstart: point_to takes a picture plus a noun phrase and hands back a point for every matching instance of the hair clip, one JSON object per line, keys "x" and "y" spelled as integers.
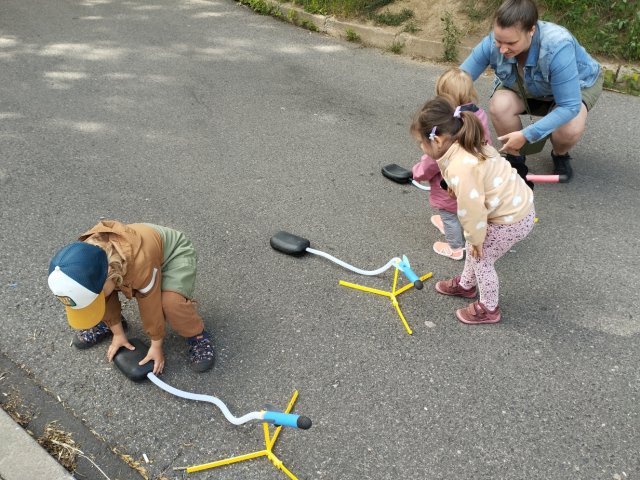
{"x": 432, "y": 135}
{"x": 469, "y": 107}
{"x": 456, "y": 113}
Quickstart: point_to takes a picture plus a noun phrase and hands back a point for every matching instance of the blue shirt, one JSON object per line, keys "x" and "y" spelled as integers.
{"x": 556, "y": 69}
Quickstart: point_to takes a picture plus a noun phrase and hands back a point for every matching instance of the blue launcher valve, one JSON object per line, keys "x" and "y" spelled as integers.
{"x": 287, "y": 420}
{"x": 405, "y": 268}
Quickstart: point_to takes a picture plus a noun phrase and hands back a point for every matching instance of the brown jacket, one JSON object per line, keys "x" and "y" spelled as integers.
{"x": 141, "y": 246}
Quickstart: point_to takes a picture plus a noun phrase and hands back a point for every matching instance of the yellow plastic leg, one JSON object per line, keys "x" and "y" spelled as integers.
{"x": 269, "y": 443}
{"x": 364, "y": 289}
{"x": 404, "y": 322}
{"x": 227, "y": 461}
{"x": 391, "y": 295}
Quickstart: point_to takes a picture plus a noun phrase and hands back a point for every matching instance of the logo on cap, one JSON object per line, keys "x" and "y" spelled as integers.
{"x": 67, "y": 301}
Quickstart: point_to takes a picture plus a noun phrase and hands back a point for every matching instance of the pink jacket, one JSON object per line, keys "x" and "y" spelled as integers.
{"x": 427, "y": 170}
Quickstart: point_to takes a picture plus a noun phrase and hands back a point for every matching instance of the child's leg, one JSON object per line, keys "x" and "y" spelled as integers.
{"x": 181, "y": 314}
{"x": 452, "y": 229}
{"x": 499, "y": 239}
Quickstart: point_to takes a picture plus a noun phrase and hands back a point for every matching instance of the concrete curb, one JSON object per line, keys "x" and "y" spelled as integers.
{"x": 368, "y": 35}
{"x": 22, "y": 457}
{"x": 385, "y": 38}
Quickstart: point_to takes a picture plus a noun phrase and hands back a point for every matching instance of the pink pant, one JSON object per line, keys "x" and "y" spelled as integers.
{"x": 481, "y": 272}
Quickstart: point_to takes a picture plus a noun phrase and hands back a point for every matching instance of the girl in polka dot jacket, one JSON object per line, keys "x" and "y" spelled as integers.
{"x": 495, "y": 206}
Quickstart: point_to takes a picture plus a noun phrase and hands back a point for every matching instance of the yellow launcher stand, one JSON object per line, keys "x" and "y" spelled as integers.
{"x": 267, "y": 452}
{"x": 392, "y": 294}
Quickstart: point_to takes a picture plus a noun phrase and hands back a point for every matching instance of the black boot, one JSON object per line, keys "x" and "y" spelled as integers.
{"x": 562, "y": 166}
{"x": 518, "y": 162}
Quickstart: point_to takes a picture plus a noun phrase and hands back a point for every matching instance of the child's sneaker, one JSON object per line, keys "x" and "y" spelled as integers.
{"x": 443, "y": 248}
{"x": 84, "y": 339}
{"x": 436, "y": 221}
{"x": 452, "y": 287}
{"x": 476, "y": 314}
{"x": 201, "y": 356}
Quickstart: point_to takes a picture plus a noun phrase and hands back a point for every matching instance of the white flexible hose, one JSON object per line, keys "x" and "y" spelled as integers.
{"x": 389, "y": 264}
{"x": 206, "y": 398}
{"x": 421, "y": 186}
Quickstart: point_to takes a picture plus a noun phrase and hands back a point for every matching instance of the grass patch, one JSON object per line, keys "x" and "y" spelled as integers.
{"x": 308, "y": 24}
{"x": 392, "y": 19}
{"x": 396, "y": 47}
{"x": 411, "y": 27}
{"x": 261, "y": 7}
{"x": 627, "y": 82}
{"x": 344, "y": 8}
{"x": 351, "y": 35}
{"x": 602, "y": 27}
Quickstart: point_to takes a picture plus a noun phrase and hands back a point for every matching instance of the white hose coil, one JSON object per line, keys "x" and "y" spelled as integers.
{"x": 206, "y": 398}
{"x": 389, "y": 264}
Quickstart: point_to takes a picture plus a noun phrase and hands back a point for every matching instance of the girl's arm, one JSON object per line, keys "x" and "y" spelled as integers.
{"x": 464, "y": 178}
{"x": 425, "y": 170}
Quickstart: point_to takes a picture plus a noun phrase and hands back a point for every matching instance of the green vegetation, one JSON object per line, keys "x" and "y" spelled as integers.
{"x": 628, "y": 82}
{"x": 450, "y": 38}
{"x": 392, "y": 19}
{"x": 261, "y": 6}
{"x": 351, "y": 35}
{"x": 345, "y": 8}
{"x": 602, "y": 27}
{"x": 396, "y": 47}
{"x": 411, "y": 27}
{"x": 308, "y": 24}
{"x": 606, "y": 28}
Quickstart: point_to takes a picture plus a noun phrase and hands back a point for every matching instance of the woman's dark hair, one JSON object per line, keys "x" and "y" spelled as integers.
{"x": 467, "y": 129}
{"x": 517, "y": 13}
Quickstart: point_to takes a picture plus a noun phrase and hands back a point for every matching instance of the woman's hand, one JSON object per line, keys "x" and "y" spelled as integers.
{"x": 119, "y": 340}
{"x": 156, "y": 355}
{"x": 476, "y": 251}
{"x": 512, "y": 142}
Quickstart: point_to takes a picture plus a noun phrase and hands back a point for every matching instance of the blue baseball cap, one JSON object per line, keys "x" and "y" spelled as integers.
{"x": 76, "y": 276}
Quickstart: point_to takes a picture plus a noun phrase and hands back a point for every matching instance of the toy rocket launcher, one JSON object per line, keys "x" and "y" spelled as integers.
{"x": 293, "y": 245}
{"x": 405, "y": 268}
{"x": 127, "y": 362}
{"x": 399, "y": 174}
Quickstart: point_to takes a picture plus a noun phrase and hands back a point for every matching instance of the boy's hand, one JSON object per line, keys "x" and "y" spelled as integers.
{"x": 156, "y": 354}
{"x": 119, "y": 340}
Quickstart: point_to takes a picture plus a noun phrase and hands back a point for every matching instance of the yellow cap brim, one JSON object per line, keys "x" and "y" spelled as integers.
{"x": 87, "y": 317}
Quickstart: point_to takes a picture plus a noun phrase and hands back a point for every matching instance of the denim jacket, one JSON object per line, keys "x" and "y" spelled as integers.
{"x": 557, "y": 68}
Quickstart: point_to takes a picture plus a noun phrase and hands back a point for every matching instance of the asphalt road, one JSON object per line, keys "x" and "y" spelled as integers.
{"x": 230, "y": 126}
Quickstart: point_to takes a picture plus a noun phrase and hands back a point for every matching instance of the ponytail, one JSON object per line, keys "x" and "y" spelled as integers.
{"x": 439, "y": 116}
